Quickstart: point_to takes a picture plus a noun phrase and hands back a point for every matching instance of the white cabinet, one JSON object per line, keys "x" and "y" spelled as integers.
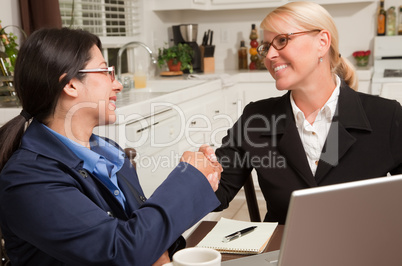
{"x": 324, "y": 2}
{"x": 364, "y": 77}
{"x": 230, "y": 108}
{"x": 163, "y": 5}
{"x": 242, "y": 4}
{"x": 254, "y": 91}
{"x": 155, "y": 139}
{"x": 161, "y": 139}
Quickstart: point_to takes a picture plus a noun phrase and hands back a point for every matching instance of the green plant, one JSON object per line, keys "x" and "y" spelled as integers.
{"x": 181, "y": 52}
{"x": 9, "y": 41}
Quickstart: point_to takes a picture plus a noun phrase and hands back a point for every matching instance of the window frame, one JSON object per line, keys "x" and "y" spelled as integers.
{"x": 133, "y": 23}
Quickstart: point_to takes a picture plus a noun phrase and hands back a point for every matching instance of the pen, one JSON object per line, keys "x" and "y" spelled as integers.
{"x": 238, "y": 234}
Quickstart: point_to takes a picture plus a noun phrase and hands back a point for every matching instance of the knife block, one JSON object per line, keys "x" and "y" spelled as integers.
{"x": 207, "y": 58}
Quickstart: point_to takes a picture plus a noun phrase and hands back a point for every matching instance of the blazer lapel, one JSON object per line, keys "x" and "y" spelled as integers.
{"x": 291, "y": 147}
{"x": 349, "y": 114}
{"x": 290, "y": 144}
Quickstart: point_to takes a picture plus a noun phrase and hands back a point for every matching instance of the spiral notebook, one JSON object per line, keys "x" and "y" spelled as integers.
{"x": 252, "y": 243}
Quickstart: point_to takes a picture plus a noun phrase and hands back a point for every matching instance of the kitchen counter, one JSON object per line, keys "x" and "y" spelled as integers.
{"x": 175, "y": 90}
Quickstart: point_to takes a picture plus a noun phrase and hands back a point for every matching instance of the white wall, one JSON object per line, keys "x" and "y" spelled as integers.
{"x": 10, "y": 15}
{"x": 356, "y": 23}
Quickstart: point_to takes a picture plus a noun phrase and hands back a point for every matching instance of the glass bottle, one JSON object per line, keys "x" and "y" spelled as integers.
{"x": 242, "y": 54}
{"x": 253, "y": 49}
{"x": 400, "y": 21}
{"x": 381, "y": 20}
{"x": 391, "y": 21}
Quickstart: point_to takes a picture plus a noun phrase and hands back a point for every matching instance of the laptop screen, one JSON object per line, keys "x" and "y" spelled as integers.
{"x": 355, "y": 223}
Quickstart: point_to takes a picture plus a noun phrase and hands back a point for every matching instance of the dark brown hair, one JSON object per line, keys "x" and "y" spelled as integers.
{"x": 43, "y": 58}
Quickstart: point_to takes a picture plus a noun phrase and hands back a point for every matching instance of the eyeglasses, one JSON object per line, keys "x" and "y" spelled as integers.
{"x": 279, "y": 42}
{"x": 109, "y": 70}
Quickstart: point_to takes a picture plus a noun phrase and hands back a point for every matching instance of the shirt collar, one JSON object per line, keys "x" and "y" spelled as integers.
{"x": 99, "y": 149}
{"x": 327, "y": 111}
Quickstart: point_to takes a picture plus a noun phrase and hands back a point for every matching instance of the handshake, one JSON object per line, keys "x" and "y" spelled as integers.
{"x": 206, "y": 162}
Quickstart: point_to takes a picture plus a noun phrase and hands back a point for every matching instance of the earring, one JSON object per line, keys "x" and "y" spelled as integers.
{"x": 321, "y": 59}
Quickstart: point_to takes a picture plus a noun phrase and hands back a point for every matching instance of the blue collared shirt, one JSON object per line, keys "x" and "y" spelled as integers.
{"x": 104, "y": 167}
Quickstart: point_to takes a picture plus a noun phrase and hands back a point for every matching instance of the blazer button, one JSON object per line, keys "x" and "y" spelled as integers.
{"x": 142, "y": 198}
{"x": 110, "y": 214}
{"x": 83, "y": 173}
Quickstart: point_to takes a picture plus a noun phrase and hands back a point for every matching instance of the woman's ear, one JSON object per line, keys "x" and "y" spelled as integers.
{"x": 324, "y": 41}
{"x": 70, "y": 88}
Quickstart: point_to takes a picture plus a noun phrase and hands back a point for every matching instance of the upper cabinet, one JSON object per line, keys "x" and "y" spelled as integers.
{"x": 163, "y": 5}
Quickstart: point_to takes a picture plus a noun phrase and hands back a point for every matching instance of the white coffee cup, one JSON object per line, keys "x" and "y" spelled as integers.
{"x": 196, "y": 257}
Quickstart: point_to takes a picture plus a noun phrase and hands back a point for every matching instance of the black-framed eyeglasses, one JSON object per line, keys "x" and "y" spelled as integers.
{"x": 109, "y": 70}
{"x": 279, "y": 42}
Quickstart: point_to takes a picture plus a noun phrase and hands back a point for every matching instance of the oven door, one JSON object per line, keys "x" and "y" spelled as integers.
{"x": 378, "y": 81}
{"x": 392, "y": 91}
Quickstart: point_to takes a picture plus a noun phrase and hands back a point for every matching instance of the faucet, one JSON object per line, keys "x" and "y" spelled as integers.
{"x": 124, "y": 47}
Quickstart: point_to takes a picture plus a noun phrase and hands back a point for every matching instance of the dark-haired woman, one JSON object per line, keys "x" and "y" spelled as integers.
{"x": 69, "y": 197}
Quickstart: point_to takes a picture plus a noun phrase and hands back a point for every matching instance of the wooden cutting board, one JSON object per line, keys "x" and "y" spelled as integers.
{"x": 171, "y": 73}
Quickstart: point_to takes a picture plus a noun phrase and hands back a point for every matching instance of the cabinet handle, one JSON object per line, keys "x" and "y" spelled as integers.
{"x": 234, "y": 103}
{"x": 147, "y": 127}
{"x": 193, "y": 122}
{"x": 143, "y": 129}
{"x": 216, "y": 111}
{"x": 148, "y": 116}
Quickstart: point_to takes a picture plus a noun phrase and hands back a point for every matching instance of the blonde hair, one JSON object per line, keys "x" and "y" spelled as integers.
{"x": 310, "y": 16}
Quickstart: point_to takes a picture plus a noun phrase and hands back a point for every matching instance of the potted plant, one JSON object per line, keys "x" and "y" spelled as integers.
{"x": 9, "y": 41}
{"x": 362, "y": 57}
{"x": 177, "y": 57}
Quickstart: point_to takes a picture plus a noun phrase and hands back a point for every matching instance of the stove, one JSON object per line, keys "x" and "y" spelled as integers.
{"x": 392, "y": 73}
{"x": 387, "y": 63}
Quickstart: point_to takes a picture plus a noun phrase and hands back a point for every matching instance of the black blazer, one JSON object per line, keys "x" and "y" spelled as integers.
{"x": 364, "y": 141}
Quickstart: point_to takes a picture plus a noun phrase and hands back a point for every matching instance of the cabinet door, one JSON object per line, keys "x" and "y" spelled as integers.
{"x": 258, "y": 90}
{"x": 161, "y": 5}
{"x": 233, "y": 102}
{"x": 153, "y": 169}
{"x": 249, "y": 2}
{"x": 156, "y": 142}
{"x": 153, "y": 134}
{"x": 164, "y": 5}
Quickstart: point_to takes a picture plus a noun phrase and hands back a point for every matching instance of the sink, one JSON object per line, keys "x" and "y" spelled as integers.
{"x": 167, "y": 86}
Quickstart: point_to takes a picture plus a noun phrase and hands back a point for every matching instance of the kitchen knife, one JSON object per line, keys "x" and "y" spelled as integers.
{"x": 205, "y": 39}
{"x": 210, "y": 38}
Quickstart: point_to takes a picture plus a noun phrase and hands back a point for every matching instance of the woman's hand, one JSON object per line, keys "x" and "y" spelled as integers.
{"x": 209, "y": 153}
{"x": 205, "y": 161}
{"x": 162, "y": 260}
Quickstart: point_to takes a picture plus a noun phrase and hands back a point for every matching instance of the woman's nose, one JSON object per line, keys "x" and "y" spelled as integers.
{"x": 117, "y": 86}
{"x": 272, "y": 53}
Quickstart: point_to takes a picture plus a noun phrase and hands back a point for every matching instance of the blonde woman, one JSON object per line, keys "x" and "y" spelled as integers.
{"x": 322, "y": 131}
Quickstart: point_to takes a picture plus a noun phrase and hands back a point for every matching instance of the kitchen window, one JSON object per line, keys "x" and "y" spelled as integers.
{"x": 105, "y": 18}
{"x": 115, "y": 21}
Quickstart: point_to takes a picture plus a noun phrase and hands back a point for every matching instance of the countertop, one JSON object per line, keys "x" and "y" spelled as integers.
{"x": 178, "y": 89}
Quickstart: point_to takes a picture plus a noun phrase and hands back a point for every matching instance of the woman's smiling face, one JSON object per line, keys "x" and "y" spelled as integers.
{"x": 293, "y": 64}
{"x": 100, "y": 91}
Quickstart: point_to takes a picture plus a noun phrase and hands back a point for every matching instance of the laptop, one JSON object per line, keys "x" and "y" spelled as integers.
{"x": 355, "y": 223}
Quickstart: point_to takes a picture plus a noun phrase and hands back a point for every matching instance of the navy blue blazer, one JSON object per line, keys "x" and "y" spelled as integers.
{"x": 53, "y": 212}
{"x": 364, "y": 141}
